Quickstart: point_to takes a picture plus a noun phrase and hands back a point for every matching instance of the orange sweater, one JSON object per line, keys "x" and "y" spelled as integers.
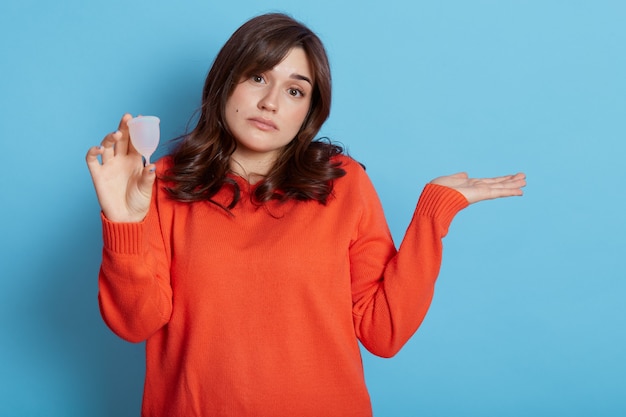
{"x": 259, "y": 313}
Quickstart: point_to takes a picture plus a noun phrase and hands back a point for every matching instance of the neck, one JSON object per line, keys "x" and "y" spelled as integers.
{"x": 252, "y": 169}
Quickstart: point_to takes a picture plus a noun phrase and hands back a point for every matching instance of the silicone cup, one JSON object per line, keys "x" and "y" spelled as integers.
{"x": 145, "y": 134}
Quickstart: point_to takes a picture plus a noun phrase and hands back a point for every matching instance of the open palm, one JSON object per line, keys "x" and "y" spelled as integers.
{"x": 479, "y": 189}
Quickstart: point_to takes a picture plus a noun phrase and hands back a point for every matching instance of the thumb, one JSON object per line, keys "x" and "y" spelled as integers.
{"x": 460, "y": 175}
{"x": 148, "y": 175}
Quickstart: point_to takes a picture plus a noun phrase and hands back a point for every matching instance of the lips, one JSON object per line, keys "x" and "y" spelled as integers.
{"x": 263, "y": 124}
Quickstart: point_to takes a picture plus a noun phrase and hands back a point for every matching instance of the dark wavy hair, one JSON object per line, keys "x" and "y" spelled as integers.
{"x": 305, "y": 169}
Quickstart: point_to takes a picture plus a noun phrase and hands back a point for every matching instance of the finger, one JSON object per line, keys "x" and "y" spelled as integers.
{"x": 109, "y": 140}
{"x": 509, "y": 189}
{"x": 513, "y": 187}
{"x": 493, "y": 180}
{"x": 501, "y": 180}
{"x": 109, "y": 145}
{"x": 122, "y": 144}
{"x": 507, "y": 192}
{"x": 516, "y": 177}
{"x": 131, "y": 148}
{"x": 516, "y": 181}
{"x": 92, "y": 157}
{"x": 513, "y": 177}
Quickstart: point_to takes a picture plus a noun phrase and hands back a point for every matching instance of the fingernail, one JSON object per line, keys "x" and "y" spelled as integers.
{"x": 99, "y": 147}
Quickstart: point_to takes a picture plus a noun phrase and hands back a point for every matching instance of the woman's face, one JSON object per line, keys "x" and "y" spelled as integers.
{"x": 266, "y": 111}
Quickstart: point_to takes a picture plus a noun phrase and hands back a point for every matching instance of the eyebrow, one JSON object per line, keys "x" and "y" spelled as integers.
{"x": 301, "y": 77}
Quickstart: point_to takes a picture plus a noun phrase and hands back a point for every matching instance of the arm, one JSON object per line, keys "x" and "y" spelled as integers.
{"x": 134, "y": 291}
{"x": 135, "y": 295}
{"x": 392, "y": 295}
{"x": 392, "y": 291}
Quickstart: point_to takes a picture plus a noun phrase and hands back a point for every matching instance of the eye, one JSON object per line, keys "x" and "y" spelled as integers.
{"x": 295, "y": 92}
{"x": 257, "y": 79}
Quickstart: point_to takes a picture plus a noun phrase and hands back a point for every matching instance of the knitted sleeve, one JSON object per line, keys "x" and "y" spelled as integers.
{"x": 392, "y": 290}
{"x": 135, "y": 295}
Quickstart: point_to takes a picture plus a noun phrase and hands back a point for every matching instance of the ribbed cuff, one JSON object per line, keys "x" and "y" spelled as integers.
{"x": 441, "y": 203}
{"x": 122, "y": 238}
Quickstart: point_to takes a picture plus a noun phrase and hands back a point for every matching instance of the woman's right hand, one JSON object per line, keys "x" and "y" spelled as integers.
{"x": 123, "y": 185}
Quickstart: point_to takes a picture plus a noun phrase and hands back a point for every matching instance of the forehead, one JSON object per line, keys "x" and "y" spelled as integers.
{"x": 295, "y": 63}
{"x": 296, "y": 58}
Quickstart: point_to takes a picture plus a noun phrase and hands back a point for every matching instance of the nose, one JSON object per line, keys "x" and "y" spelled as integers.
{"x": 269, "y": 101}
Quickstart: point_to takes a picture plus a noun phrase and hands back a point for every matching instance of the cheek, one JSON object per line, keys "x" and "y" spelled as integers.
{"x": 301, "y": 113}
{"x": 303, "y": 116}
{"x": 236, "y": 98}
{"x": 231, "y": 110}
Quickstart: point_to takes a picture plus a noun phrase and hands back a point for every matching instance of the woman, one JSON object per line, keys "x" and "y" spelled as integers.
{"x": 253, "y": 259}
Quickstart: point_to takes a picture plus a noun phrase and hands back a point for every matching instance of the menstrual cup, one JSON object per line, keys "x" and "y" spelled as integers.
{"x": 145, "y": 134}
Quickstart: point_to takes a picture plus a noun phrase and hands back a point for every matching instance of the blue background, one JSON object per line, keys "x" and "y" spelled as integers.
{"x": 529, "y": 315}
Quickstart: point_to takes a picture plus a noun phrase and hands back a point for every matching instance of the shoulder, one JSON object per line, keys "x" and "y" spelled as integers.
{"x": 349, "y": 164}
{"x": 355, "y": 182}
{"x": 355, "y": 171}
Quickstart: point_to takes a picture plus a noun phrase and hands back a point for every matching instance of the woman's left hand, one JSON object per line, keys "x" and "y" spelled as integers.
{"x": 479, "y": 189}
